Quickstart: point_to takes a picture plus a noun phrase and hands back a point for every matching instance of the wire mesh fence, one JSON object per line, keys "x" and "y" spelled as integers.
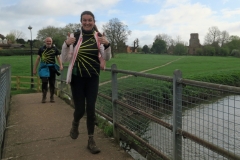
{"x": 5, "y": 88}
{"x": 212, "y": 115}
{"x": 169, "y": 117}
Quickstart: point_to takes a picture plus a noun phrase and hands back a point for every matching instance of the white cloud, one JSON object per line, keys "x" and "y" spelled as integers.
{"x": 228, "y": 13}
{"x": 174, "y": 17}
{"x": 145, "y": 37}
{"x": 180, "y": 15}
{"x": 111, "y": 12}
{"x": 224, "y": 1}
{"x": 182, "y": 20}
{"x": 19, "y": 15}
{"x": 55, "y": 7}
{"x": 175, "y": 2}
{"x": 144, "y": 1}
{"x": 147, "y": 1}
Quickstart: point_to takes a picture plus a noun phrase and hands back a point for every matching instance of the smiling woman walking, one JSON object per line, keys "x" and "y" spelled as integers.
{"x": 89, "y": 49}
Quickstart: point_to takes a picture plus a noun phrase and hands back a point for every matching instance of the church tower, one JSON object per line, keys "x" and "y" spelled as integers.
{"x": 194, "y": 43}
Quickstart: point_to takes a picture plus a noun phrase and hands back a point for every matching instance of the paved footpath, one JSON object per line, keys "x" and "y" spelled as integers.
{"x": 37, "y": 131}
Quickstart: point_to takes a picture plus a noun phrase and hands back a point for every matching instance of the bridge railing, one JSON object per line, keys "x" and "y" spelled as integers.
{"x": 163, "y": 117}
{"x": 5, "y": 89}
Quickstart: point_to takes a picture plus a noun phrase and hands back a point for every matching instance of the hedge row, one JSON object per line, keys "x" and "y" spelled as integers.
{"x": 17, "y": 52}
{"x": 230, "y": 78}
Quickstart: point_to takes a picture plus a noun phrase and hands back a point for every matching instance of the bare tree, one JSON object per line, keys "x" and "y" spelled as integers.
{"x": 11, "y": 38}
{"x": 212, "y": 36}
{"x": 164, "y": 37}
{"x": 135, "y": 44}
{"x": 172, "y": 42}
{"x": 71, "y": 27}
{"x": 224, "y": 38}
{"x": 58, "y": 35}
{"x": 116, "y": 32}
{"x": 159, "y": 36}
{"x": 17, "y": 34}
{"x": 49, "y": 31}
{"x": 179, "y": 40}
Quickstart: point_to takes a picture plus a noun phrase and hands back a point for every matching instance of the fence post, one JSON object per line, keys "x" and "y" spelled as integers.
{"x": 114, "y": 97}
{"x": 177, "y": 115}
{"x": 18, "y": 82}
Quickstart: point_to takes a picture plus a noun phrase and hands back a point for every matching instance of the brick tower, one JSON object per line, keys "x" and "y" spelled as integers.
{"x": 194, "y": 43}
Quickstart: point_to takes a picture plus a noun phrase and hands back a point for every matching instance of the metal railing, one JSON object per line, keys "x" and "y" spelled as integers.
{"x": 165, "y": 117}
{"x": 25, "y": 82}
{"x": 5, "y": 89}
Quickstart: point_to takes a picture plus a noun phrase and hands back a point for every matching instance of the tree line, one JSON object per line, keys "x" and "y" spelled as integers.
{"x": 216, "y": 42}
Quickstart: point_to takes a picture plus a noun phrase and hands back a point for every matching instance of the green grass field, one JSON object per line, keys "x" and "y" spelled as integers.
{"x": 200, "y": 65}
{"x": 223, "y": 70}
{"x": 189, "y": 65}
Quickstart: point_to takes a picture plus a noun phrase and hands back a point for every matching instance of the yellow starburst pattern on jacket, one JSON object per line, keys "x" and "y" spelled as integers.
{"x": 48, "y": 55}
{"x": 87, "y": 58}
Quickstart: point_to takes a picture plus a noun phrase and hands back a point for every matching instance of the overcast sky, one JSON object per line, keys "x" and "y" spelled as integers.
{"x": 145, "y": 18}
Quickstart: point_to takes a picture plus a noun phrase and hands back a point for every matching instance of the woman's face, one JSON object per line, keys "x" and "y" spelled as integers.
{"x": 87, "y": 22}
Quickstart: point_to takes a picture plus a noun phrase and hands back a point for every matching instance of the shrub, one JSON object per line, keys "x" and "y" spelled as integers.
{"x": 224, "y": 51}
{"x": 235, "y": 52}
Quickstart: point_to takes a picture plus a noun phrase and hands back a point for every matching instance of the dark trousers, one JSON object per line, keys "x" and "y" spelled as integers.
{"x": 51, "y": 80}
{"x": 84, "y": 93}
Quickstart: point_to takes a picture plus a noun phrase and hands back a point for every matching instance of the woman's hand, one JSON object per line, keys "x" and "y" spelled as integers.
{"x": 70, "y": 40}
{"x": 103, "y": 40}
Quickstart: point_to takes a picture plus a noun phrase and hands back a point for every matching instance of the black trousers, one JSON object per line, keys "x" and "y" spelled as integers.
{"x": 84, "y": 93}
{"x": 50, "y": 80}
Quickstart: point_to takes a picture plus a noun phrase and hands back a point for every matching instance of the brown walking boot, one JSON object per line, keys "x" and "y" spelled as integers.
{"x": 52, "y": 95}
{"x": 74, "y": 130}
{"x": 52, "y": 99}
{"x": 44, "y": 96}
{"x": 92, "y": 146}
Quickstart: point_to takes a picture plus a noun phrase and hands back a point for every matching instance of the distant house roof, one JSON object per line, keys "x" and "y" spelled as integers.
{"x": 4, "y": 46}
{"x": 17, "y": 46}
{"x": 2, "y": 36}
{"x": 130, "y": 49}
{"x": 12, "y": 46}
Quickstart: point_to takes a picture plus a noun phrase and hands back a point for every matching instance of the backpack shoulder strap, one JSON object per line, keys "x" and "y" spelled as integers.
{"x": 76, "y": 35}
{"x": 42, "y": 49}
{"x": 96, "y": 35}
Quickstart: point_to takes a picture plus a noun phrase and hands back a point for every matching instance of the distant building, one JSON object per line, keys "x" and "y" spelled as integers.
{"x": 131, "y": 49}
{"x": 2, "y": 37}
{"x": 123, "y": 48}
{"x": 17, "y": 46}
{"x": 194, "y": 43}
{"x": 6, "y": 44}
{"x": 3, "y": 42}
